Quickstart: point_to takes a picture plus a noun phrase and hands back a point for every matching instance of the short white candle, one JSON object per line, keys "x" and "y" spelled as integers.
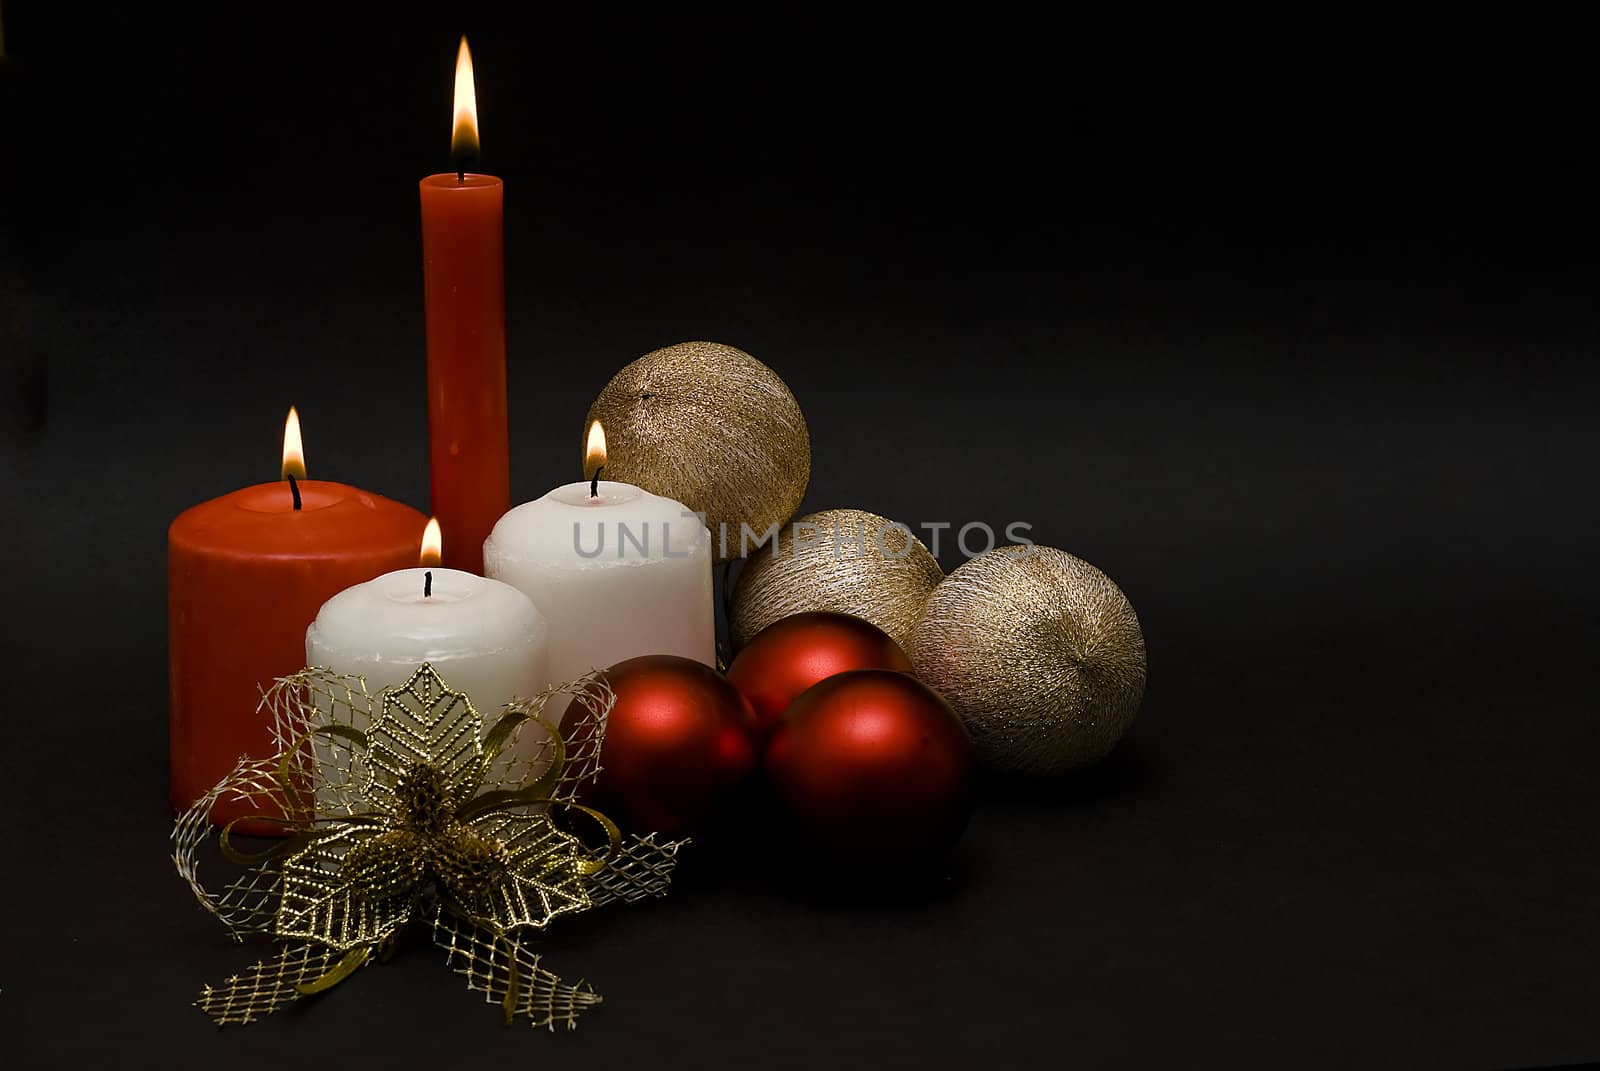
{"x": 617, "y": 574}
{"x": 483, "y": 637}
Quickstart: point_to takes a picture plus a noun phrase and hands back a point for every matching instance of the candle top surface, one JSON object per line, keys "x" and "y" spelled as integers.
{"x": 449, "y": 180}
{"x": 605, "y": 493}
{"x": 261, "y": 520}
{"x": 278, "y": 498}
{"x": 625, "y": 522}
{"x": 390, "y": 619}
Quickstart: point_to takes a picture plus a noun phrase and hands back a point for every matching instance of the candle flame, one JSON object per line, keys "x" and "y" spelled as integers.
{"x": 294, "y": 454}
{"x": 464, "y": 130}
{"x": 432, "y": 544}
{"x": 594, "y": 450}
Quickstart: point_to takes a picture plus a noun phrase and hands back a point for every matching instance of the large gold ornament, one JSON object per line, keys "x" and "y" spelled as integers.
{"x": 406, "y": 807}
{"x": 845, "y": 560}
{"x": 715, "y": 429}
{"x": 1038, "y": 652}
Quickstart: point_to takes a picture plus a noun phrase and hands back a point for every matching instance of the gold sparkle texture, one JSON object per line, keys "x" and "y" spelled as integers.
{"x": 1039, "y": 653}
{"x": 712, "y": 427}
{"x": 847, "y": 561}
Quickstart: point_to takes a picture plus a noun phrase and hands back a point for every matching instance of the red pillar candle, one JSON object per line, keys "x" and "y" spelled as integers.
{"x": 246, "y": 573}
{"x": 463, "y": 272}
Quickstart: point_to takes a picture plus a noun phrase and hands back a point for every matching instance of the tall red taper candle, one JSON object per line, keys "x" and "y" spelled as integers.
{"x": 463, "y": 275}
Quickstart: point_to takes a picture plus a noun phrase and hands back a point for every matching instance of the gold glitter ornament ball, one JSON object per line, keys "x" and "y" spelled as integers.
{"x": 1039, "y": 653}
{"x": 846, "y": 561}
{"x": 712, "y": 427}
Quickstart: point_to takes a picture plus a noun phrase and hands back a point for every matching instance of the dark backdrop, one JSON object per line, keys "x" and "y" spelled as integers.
{"x": 1287, "y": 325}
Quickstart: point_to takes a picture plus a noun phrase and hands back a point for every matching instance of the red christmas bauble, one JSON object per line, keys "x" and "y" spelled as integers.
{"x": 679, "y": 741}
{"x": 789, "y": 656}
{"x": 873, "y": 765}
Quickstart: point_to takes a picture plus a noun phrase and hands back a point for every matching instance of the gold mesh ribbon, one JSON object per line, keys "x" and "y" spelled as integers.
{"x": 406, "y": 806}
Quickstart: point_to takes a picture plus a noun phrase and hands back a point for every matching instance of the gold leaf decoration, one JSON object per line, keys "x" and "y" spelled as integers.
{"x": 407, "y": 806}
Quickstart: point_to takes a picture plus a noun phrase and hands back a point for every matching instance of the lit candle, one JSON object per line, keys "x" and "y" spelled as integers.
{"x": 245, "y": 572}
{"x": 483, "y": 637}
{"x": 616, "y": 571}
{"x": 463, "y": 276}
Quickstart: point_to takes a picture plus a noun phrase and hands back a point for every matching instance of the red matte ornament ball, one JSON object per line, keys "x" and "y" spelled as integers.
{"x": 873, "y": 765}
{"x": 789, "y": 656}
{"x": 679, "y": 742}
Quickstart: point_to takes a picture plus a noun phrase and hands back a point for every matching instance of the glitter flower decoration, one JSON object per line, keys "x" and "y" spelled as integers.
{"x": 405, "y": 807}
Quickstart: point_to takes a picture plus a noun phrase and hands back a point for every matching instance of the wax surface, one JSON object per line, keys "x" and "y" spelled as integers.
{"x": 245, "y": 574}
{"x": 624, "y": 574}
{"x": 463, "y": 273}
{"x": 484, "y": 638}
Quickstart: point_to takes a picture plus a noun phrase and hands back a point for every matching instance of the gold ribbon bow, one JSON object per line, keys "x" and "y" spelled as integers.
{"x": 400, "y": 806}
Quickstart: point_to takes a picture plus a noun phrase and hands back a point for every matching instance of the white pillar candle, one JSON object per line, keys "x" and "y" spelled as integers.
{"x": 483, "y": 637}
{"x": 617, "y": 574}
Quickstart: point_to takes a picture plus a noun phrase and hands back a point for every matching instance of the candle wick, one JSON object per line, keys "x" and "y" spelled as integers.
{"x": 594, "y": 484}
{"x": 294, "y": 489}
{"x": 427, "y": 584}
{"x": 461, "y": 176}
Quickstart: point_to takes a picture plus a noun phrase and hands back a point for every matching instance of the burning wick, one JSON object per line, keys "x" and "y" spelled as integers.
{"x": 464, "y": 125}
{"x": 427, "y": 584}
{"x": 294, "y": 489}
{"x": 594, "y": 453}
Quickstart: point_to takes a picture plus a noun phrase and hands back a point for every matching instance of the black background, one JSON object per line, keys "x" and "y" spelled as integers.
{"x": 1287, "y": 325}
